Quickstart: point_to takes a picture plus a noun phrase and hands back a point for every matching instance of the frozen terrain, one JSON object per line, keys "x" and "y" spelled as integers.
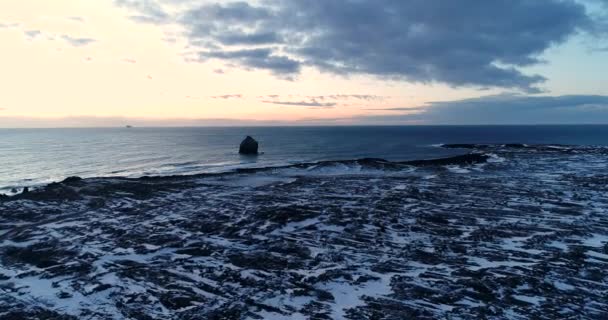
{"x": 522, "y": 235}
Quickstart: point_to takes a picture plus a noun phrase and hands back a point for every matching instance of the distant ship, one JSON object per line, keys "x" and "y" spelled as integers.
{"x": 129, "y": 126}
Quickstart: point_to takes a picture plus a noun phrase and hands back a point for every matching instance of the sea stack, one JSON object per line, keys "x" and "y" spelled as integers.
{"x": 249, "y": 146}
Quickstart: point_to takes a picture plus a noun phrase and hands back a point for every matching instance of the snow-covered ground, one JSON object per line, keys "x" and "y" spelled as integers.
{"x": 522, "y": 236}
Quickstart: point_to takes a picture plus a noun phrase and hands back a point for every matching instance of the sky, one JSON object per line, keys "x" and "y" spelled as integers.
{"x": 84, "y": 63}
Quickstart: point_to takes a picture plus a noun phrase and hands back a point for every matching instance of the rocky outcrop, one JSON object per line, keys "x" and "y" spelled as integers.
{"x": 465, "y": 159}
{"x": 463, "y": 146}
{"x": 248, "y": 146}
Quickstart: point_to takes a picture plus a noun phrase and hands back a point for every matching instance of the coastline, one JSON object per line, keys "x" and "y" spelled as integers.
{"x": 464, "y": 159}
{"x": 523, "y": 234}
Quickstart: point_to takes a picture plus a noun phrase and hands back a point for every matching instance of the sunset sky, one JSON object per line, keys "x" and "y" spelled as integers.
{"x": 187, "y": 62}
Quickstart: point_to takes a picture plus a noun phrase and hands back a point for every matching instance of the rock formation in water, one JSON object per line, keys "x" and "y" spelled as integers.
{"x": 249, "y": 146}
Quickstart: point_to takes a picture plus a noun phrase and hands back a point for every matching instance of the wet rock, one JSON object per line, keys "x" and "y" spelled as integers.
{"x": 514, "y": 145}
{"x": 464, "y": 146}
{"x": 249, "y": 146}
{"x": 97, "y": 203}
{"x": 435, "y": 218}
{"x": 71, "y": 180}
{"x": 466, "y": 159}
{"x": 51, "y": 192}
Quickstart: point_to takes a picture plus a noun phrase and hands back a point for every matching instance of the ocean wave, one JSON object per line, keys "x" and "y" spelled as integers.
{"x": 478, "y": 154}
{"x": 330, "y": 167}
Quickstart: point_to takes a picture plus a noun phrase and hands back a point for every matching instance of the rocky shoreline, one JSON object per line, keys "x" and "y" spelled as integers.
{"x": 505, "y": 232}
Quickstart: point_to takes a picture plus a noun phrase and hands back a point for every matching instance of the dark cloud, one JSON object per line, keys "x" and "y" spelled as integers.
{"x": 228, "y": 96}
{"x": 462, "y": 43}
{"x": 248, "y": 38}
{"x": 77, "y": 42}
{"x": 259, "y": 58}
{"x": 311, "y": 103}
{"x": 507, "y": 109}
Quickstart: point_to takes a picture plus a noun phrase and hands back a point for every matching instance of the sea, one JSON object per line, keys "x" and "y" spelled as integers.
{"x": 35, "y": 157}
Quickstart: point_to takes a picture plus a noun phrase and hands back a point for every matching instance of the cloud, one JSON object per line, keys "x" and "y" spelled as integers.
{"x": 259, "y": 58}
{"x": 77, "y": 42}
{"x": 120, "y": 122}
{"x": 506, "y": 109}
{"x": 32, "y": 34}
{"x": 460, "y": 43}
{"x": 496, "y": 109}
{"x": 76, "y": 19}
{"x": 418, "y": 109}
{"x": 364, "y": 97}
{"x": 148, "y": 11}
{"x": 228, "y": 96}
{"x": 321, "y": 101}
{"x": 8, "y": 25}
{"x": 312, "y": 103}
{"x": 248, "y": 38}
{"x": 132, "y": 61}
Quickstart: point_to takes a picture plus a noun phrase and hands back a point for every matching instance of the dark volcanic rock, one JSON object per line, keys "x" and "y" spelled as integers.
{"x": 514, "y": 145}
{"x": 39, "y": 255}
{"x": 248, "y": 146}
{"x": 71, "y": 180}
{"x": 51, "y": 192}
{"x": 465, "y": 159}
{"x": 285, "y": 214}
{"x": 463, "y": 146}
